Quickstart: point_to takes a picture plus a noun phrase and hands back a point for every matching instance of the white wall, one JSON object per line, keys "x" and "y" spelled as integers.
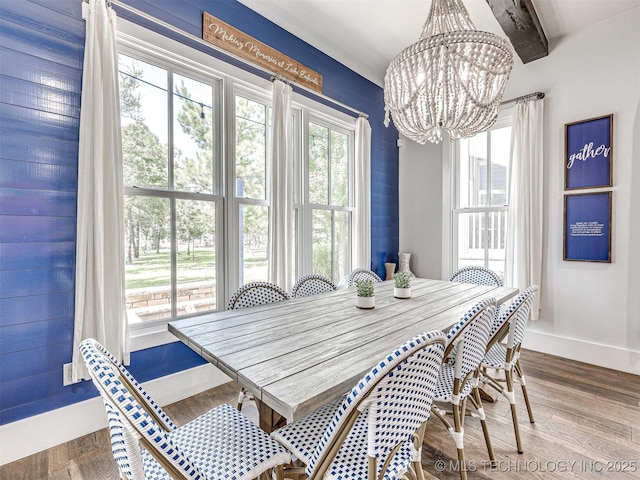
{"x": 589, "y": 311}
{"x": 420, "y": 205}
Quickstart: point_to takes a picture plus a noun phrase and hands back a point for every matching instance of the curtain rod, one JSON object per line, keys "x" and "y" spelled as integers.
{"x": 536, "y": 95}
{"x": 273, "y": 78}
{"x": 190, "y": 36}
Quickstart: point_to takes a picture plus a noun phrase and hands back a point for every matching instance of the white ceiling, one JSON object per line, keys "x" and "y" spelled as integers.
{"x": 365, "y": 35}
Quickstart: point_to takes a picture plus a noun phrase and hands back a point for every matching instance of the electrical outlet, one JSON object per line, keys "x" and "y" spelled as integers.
{"x": 66, "y": 375}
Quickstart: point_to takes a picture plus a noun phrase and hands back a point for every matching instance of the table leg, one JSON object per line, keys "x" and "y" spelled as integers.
{"x": 270, "y": 420}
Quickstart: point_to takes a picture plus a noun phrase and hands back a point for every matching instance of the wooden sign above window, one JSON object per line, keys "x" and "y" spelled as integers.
{"x": 234, "y": 41}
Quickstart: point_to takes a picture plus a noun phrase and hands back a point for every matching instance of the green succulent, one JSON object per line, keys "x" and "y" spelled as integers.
{"x": 402, "y": 280}
{"x": 364, "y": 288}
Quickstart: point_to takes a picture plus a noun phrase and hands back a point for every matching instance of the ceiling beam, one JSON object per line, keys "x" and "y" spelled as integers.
{"x": 520, "y": 22}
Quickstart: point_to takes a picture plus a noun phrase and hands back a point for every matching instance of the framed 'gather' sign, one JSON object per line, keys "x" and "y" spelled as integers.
{"x": 587, "y": 227}
{"x": 588, "y": 152}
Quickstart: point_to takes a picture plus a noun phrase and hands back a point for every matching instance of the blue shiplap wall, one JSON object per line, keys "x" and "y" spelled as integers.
{"x": 41, "y": 51}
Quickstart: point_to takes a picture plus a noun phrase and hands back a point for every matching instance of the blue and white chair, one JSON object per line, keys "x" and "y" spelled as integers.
{"x": 505, "y": 357}
{"x": 252, "y": 295}
{"x": 362, "y": 274}
{"x": 312, "y": 285}
{"x": 256, "y": 293}
{"x": 376, "y": 431}
{"x": 458, "y": 378}
{"x": 221, "y": 444}
{"x": 476, "y": 275}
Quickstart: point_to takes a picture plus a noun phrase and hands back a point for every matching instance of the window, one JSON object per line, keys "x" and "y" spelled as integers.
{"x": 251, "y": 192}
{"x": 197, "y": 196}
{"x": 171, "y": 208}
{"x": 329, "y": 198}
{"x": 480, "y": 200}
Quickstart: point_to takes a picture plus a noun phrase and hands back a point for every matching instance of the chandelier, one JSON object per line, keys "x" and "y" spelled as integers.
{"x": 452, "y": 79}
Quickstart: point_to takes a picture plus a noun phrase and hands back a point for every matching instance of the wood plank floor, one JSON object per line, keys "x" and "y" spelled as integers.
{"x": 587, "y": 426}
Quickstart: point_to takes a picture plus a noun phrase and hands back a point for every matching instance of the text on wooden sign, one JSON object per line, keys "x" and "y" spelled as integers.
{"x": 223, "y": 35}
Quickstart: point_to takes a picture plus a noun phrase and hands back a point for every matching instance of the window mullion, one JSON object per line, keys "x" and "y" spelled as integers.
{"x": 172, "y": 200}
{"x": 329, "y": 189}
{"x": 174, "y": 260}
{"x": 306, "y": 241}
{"x": 232, "y": 204}
{"x": 333, "y": 242}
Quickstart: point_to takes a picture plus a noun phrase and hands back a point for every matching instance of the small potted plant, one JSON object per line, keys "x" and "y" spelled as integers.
{"x": 402, "y": 285}
{"x": 365, "y": 298}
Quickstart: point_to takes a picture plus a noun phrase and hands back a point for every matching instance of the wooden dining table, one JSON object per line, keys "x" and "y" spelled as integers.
{"x": 297, "y": 355}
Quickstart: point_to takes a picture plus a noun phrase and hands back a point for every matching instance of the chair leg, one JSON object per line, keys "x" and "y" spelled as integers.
{"x": 458, "y": 438}
{"x": 524, "y": 391}
{"x": 279, "y": 472}
{"x": 457, "y": 433}
{"x": 415, "y": 470}
{"x": 477, "y": 401}
{"x": 512, "y": 401}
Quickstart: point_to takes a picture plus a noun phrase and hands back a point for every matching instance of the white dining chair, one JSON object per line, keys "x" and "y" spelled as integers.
{"x": 509, "y": 328}
{"x": 458, "y": 377}
{"x": 218, "y": 445}
{"x": 256, "y": 293}
{"x": 313, "y": 284}
{"x": 477, "y": 275}
{"x": 376, "y": 430}
{"x": 362, "y": 274}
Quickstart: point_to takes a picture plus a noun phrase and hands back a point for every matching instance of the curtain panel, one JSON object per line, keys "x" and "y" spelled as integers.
{"x": 362, "y": 230}
{"x": 99, "y": 278}
{"x": 524, "y": 218}
{"x": 281, "y": 214}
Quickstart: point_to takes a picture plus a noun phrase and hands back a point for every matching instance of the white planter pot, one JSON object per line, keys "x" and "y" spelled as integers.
{"x": 366, "y": 302}
{"x": 402, "y": 292}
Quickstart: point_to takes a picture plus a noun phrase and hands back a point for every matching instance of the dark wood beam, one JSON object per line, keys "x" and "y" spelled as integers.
{"x": 520, "y": 22}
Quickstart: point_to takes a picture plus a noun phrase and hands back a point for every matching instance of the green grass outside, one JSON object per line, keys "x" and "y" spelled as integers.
{"x": 153, "y": 269}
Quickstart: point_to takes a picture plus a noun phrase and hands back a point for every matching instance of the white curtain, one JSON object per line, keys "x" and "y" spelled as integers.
{"x": 524, "y": 221}
{"x": 281, "y": 214}
{"x": 362, "y": 230}
{"x": 99, "y": 294}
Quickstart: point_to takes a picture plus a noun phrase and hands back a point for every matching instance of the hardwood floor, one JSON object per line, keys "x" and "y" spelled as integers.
{"x": 587, "y": 426}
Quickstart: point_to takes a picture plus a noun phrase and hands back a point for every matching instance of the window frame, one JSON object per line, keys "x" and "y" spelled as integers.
{"x": 148, "y": 46}
{"x": 234, "y": 202}
{"x": 307, "y": 206}
{"x": 451, "y": 225}
{"x": 138, "y": 333}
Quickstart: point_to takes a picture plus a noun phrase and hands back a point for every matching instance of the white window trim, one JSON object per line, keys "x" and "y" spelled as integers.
{"x": 308, "y": 207}
{"x": 449, "y": 195}
{"x": 150, "y": 46}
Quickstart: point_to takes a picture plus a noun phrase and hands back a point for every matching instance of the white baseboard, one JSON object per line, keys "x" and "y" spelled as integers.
{"x": 40, "y": 432}
{"x": 606, "y": 356}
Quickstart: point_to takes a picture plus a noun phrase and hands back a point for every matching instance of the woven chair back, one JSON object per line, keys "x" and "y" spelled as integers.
{"x": 517, "y": 313}
{"x": 128, "y": 420}
{"x": 256, "y": 293}
{"x": 470, "y": 336}
{"x": 521, "y": 307}
{"x": 362, "y": 274}
{"x": 312, "y": 285}
{"x": 137, "y": 390}
{"x": 477, "y": 276}
{"x": 397, "y": 392}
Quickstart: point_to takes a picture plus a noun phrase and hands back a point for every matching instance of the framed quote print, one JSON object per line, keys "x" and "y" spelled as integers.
{"x": 587, "y": 227}
{"x": 588, "y": 153}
